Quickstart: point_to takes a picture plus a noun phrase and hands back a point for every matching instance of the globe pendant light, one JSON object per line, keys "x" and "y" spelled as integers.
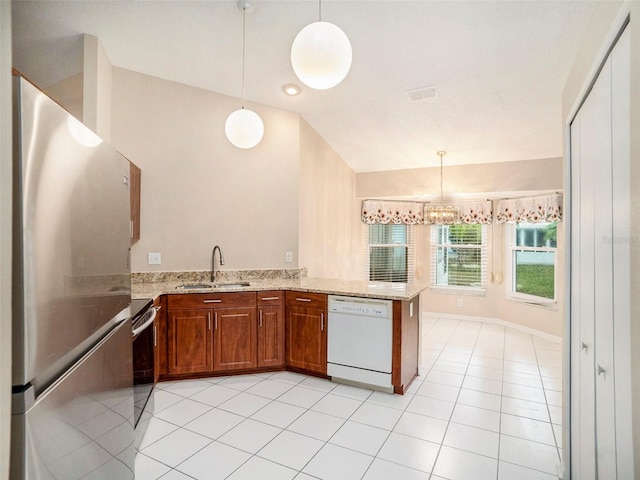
{"x": 244, "y": 127}
{"x": 321, "y": 54}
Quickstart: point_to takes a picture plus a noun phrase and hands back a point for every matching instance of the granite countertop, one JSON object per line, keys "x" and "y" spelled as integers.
{"x": 383, "y": 290}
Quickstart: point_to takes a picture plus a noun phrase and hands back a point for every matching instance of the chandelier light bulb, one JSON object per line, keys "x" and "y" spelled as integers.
{"x": 244, "y": 128}
{"x": 321, "y": 55}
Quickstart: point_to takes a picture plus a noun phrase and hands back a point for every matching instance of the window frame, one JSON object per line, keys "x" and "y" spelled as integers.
{"x": 479, "y": 290}
{"x": 409, "y": 246}
{"x": 510, "y": 254}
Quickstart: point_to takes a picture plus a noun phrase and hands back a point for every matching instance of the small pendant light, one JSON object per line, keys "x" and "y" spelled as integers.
{"x": 321, "y": 54}
{"x": 244, "y": 127}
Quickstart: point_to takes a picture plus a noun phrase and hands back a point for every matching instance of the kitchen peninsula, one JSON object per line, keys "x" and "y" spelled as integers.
{"x": 252, "y": 322}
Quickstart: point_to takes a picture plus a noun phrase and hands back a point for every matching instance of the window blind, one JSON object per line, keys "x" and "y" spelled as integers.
{"x": 390, "y": 253}
{"x": 459, "y": 255}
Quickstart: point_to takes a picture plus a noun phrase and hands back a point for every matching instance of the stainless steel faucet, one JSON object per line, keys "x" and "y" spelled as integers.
{"x": 213, "y": 262}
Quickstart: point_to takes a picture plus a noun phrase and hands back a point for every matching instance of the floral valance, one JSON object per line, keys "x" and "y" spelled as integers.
{"x": 471, "y": 212}
{"x": 387, "y": 211}
{"x": 546, "y": 208}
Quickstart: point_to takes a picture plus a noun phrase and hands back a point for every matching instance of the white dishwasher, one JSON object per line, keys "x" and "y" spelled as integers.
{"x": 360, "y": 339}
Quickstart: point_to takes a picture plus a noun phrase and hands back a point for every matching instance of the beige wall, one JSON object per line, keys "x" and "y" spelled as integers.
{"x": 519, "y": 176}
{"x": 604, "y": 25}
{"x": 331, "y": 234}
{"x": 198, "y": 190}
{"x": 96, "y": 92}
{"x": 5, "y": 236}
{"x": 68, "y": 93}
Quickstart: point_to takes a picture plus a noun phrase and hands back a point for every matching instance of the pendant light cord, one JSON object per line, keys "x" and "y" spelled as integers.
{"x": 441, "y": 189}
{"x": 244, "y": 22}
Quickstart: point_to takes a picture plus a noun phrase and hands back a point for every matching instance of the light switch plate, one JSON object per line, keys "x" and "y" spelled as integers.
{"x": 288, "y": 257}
{"x": 154, "y": 258}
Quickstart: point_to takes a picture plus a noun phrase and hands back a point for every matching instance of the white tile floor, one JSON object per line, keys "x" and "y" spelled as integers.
{"x": 488, "y": 406}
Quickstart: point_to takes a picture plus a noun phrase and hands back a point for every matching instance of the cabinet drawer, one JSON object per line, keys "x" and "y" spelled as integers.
{"x": 306, "y": 299}
{"x": 211, "y": 300}
{"x": 270, "y": 297}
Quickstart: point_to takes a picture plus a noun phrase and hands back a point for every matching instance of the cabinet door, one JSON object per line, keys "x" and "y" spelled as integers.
{"x": 306, "y": 339}
{"x": 135, "y": 182}
{"x": 189, "y": 341}
{"x": 235, "y": 338}
{"x": 270, "y": 336}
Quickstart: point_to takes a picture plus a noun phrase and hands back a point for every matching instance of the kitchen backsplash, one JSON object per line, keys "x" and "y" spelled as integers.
{"x": 221, "y": 275}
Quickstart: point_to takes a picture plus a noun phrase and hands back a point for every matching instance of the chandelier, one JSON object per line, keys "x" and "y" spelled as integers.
{"x": 441, "y": 214}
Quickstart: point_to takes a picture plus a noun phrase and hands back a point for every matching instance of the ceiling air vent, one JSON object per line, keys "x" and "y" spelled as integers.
{"x": 425, "y": 93}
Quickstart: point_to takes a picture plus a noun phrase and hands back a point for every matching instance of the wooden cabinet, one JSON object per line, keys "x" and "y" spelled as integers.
{"x": 306, "y": 332}
{"x": 135, "y": 183}
{"x": 211, "y": 332}
{"x": 235, "y": 338}
{"x": 270, "y": 329}
{"x": 190, "y": 341}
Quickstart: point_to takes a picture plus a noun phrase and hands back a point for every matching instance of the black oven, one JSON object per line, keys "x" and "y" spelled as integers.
{"x": 143, "y": 314}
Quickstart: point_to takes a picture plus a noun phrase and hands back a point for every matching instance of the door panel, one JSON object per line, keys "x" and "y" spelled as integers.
{"x": 235, "y": 338}
{"x": 190, "y": 342}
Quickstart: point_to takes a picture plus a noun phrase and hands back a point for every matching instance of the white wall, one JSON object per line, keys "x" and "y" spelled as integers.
{"x": 198, "y": 190}
{"x": 5, "y": 235}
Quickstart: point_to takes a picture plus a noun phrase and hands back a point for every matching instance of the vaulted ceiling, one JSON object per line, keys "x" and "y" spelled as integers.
{"x": 498, "y": 67}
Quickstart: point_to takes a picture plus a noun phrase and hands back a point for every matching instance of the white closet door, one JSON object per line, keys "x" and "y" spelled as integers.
{"x": 600, "y": 277}
{"x": 579, "y": 443}
{"x": 600, "y": 145}
{"x": 621, "y": 197}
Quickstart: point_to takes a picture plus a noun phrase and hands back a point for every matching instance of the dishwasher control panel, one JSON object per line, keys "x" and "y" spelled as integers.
{"x": 360, "y": 306}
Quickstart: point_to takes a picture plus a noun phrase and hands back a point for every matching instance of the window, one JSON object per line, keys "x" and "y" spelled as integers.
{"x": 459, "y": 256}
{"x": 390, "y": 252}
{"x": 533, "y": 259}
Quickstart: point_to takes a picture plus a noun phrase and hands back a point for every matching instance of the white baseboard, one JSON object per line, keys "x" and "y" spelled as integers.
{"x": 498, "y": 321}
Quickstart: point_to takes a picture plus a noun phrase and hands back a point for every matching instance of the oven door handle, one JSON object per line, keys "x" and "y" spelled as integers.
{"x": 152, "y": 317}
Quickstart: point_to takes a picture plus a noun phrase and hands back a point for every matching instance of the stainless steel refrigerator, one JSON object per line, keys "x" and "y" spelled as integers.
{"x": 72, "y": 402}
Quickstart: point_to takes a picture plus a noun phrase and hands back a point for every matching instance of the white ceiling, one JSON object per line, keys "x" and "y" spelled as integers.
{"x": 499, "y": 67}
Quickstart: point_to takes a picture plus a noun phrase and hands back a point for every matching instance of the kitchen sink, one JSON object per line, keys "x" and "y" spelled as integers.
{"x": 231, "y": 285}
{"x": 191, "y": 286}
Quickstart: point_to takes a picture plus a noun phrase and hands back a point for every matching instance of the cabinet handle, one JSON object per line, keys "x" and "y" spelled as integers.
{"x": 155, "y": 337}
{"x": 600, "y": 370}
{"x": 261, "y": 318}
{"x": 209, "y": 319}
{"x": 322, "y": 321}
{"x": 303, "y": 299}
{"x": 584, "y": 347}
{"x": 130, "y": 228}
{"x": 213, "y": 301}
{"x": 271, "y": 298}
{"x": 215, "y": 317}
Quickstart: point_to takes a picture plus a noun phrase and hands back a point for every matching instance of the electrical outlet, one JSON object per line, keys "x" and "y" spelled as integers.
{"x": 154, "y": 258}
{"x": 288, "y": 257}
{"x": 460, "y": 302}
